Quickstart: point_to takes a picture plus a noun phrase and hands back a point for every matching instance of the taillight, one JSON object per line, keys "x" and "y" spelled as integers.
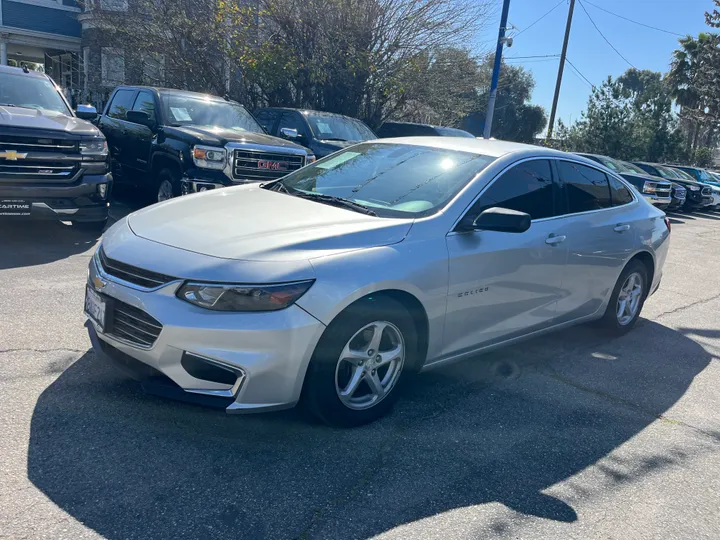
{"x": 667, "y": 224}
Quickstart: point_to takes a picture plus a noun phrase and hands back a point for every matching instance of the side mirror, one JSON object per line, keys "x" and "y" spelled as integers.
{"x": 140, "y": 117}
{"x": 86, "y": 112}
{"x": 289, "y": 133}
{"x": 502, "y": 220}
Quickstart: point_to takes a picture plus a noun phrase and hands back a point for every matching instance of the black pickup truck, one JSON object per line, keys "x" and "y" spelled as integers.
{"x": 172, "y": 142}
{"x": 53, "y": 164}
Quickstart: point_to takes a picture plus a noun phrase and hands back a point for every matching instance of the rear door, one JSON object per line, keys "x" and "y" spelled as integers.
{"x": 506, "y": 284}
{"x": 114, "y": 125}
{"x": 599, "y": 232}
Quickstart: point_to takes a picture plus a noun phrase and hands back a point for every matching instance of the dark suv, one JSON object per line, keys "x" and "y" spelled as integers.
{"x": 172, "y": 142}
{"x": 698, "y": 194}
{"x": 53, "y": 164}
{"x": 322, "y": 132}
{"x": 410, "y": 129}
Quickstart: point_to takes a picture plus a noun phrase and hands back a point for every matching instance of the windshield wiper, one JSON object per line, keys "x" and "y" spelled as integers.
{"x": 336, "y": 201}
{"x": 334, "y": 139}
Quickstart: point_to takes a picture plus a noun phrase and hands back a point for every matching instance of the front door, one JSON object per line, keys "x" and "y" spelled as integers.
{"x": 600, "y": 237}
{"x": 503, "y": 285}
{"x": 140, "y": 137}
{"x": 114, "y": 126}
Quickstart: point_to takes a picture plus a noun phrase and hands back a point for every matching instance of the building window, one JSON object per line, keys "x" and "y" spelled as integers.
{"x": 113, "y": 66}
{"x": 153, "y": 69}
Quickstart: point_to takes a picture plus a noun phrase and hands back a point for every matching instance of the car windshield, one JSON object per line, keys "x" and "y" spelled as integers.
{"x": 630, "y": 168}
{"x": 705, "y": 176}
{"x": 338, "y": 128}
{"x": 184, "y": 110}
{"x": 394, "y": 180}
{"x": 453, "y": 132}
{"x": 671, "y": 174}
{"x": 31, "y": 92}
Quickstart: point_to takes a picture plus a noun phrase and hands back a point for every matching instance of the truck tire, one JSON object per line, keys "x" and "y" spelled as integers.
{"x": 167, "y": 186}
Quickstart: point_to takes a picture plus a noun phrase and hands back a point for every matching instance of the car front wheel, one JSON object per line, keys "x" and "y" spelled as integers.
{"x": 353, "y": 375}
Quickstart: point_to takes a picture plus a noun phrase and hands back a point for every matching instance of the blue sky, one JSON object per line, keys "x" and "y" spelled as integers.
{"x": 594, "y": 58}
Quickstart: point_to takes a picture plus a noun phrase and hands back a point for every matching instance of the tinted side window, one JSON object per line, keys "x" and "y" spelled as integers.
{"x": 293, "y": 121}
{"x": 619, "y": 192}
{"x": 587, "y": 188}
{"x": 267, "y": 119}
{"x": 527, "y": 187}
{"x": 122, "y": 102}
{"x": 146, "y": 103}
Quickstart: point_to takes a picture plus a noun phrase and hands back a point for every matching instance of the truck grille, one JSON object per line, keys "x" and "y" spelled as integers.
{"x": 132, "y": 274}
{"x": 680, "y": 192}
{"x": 133, "y": 325}
{"x": 706, "y": 191}
{"x": 663, "y": 189}
{"x": 46, "y": 159}
{"x": 260, "y": 166}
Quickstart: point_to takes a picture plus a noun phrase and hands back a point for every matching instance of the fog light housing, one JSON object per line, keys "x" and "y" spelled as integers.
{"x": 102, "y": 190}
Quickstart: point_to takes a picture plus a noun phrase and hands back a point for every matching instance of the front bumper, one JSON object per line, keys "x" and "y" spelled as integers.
{"x": 656, "y": 200}
{"x": 269, "y": 351}
{"x": 78, "y": 201}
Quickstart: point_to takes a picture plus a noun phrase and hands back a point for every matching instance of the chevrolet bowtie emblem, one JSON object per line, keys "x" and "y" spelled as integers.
{"x": 98, "y": 283}
{"x": 12, "y": 155}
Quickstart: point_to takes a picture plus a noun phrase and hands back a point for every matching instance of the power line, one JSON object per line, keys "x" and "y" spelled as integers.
{"x": 603, "y": 35}
{"x": 533, "y": 56}
{"x": 635, "y": 22}
{"x": 578, "y": 72}
{"x": 541, "y": 18}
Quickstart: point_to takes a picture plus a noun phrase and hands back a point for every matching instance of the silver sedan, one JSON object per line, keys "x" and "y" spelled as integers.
{"x": 391, "y": 256}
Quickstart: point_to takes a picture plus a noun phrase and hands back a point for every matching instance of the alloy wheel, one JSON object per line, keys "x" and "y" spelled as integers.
{"x": 165, "y": 191}
{"x": 369, "y": 365}
{"x": 628, "y": 301}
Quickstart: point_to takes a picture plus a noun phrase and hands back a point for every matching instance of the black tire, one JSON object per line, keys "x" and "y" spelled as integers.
{"x": 94, "y": 227}
{"x": 165, "y": 175}
{"x": 610, "y": 321}
{"x": 319, "y": 391}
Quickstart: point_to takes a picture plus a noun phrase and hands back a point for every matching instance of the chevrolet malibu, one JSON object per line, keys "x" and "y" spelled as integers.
{"x": 330, "y": 285}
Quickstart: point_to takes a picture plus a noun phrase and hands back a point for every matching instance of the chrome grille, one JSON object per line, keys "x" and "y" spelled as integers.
{"x": 133, "y": 274}
{"x": 663, "y": 189}
{"x": 248, "y": 165}
{"x": 38, "y": 158}
{"x": 133, "y": 325}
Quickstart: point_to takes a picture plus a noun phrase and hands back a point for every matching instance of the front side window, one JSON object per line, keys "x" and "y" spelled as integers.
{"x": 122, "y": 102}
{"x": 394, "y": 180}
{"x": 206, "y": 111}
{"x": 587, "y": 188}
{"x": 292, "y": 120}
{"x": 267, "y": 119}
{"x": 28, "y": 92}
{"x": 527, "y": 187}
{"x": 338, "y": 128}
{"x": 145, "y": 102}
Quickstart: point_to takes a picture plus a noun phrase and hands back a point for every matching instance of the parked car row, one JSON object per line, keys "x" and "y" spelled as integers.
{"x": 164, "y": 143}
{"x": 669, "y": 187}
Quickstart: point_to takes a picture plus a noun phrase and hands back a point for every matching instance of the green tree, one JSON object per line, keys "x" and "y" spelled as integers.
{"x": 514, "y": 119}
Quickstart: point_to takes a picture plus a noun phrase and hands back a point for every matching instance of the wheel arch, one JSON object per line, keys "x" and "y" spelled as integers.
{"x": 647, "y": 259}
{"x": 164, "y": 161}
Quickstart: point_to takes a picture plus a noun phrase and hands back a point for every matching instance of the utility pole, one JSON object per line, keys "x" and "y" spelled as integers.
{"x": 561, "y": 67}
{"x": 496, "y": 69}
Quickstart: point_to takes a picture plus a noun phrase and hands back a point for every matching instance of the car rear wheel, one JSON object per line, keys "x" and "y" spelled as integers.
{"x": 627, "y": 299}
{"x": 353, "y": 375}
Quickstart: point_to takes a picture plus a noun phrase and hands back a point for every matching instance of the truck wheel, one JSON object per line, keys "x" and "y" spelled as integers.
{"x": 168, "y": 187}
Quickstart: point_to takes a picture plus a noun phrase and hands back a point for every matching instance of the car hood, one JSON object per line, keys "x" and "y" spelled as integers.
{"x": 45, "y": 120}
{"x": 221, "y": 136}
{"x": 252, "y": 223}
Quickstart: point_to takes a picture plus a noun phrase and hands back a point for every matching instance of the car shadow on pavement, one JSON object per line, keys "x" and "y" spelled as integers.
{"x": 506, "y": 427}
{"x": 31, "y": 243}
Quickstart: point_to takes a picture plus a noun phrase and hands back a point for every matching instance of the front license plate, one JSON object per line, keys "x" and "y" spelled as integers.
{"x": 14, "y": 207}
{"x": 95, "y": 307}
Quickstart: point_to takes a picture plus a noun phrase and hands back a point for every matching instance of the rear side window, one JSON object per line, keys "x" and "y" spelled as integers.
{"x": 267, "y": 119}
{"x": 122, "y": 102}
{"x": 587, "y": 188}
{"x": 527, "y": 187}
{"x": 619, "y": 193}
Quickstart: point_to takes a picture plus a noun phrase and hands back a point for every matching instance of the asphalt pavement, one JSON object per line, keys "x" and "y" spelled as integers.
{"x": 571, "y": 436}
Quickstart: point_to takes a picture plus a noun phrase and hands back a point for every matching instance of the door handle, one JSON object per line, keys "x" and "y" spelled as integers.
{"x": 553, "y": 240}
{"x": 622, "y": 228}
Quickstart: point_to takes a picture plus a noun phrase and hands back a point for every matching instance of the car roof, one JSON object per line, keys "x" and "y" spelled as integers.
{"x": 487, "y": 147}
{"x": 175, "y": 91}
{"x": 20, "y": 71}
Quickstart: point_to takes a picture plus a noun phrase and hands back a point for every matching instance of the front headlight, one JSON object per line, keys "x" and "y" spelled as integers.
{"x": 649, "y": 187}
{"x": 693, "y": 188}
{"x": 231, "y": 297}
{"x": 94, "y": 149}
{"x": 209, "y": 157}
